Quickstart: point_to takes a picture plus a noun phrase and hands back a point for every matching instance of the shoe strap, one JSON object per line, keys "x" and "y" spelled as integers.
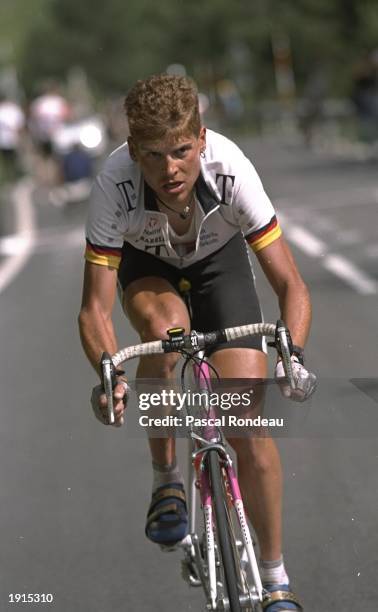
{"x": 279, "y": 595}
{"x": 167, "y": 492}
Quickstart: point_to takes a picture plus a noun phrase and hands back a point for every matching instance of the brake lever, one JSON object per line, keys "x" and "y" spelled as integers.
{"x": 108, "y": 379}
{"x": 284, "y": 346}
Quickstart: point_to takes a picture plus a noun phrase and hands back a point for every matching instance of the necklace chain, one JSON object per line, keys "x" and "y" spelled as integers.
{"x": 183, "y": 214}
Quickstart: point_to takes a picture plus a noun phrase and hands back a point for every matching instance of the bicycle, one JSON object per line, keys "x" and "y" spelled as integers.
{"x": 222, "y": 559}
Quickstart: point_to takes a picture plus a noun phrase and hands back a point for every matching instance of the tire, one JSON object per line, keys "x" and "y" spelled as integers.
{"x": 223, "y": 531}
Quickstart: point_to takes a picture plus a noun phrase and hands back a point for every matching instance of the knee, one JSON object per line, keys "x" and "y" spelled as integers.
{"x": 155, "y": 328}
{"x": 256, "y": 454}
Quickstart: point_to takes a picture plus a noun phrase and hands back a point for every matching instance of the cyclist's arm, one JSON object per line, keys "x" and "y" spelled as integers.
{"x": 282, "y": 273}
{"x": 95, "y": 318}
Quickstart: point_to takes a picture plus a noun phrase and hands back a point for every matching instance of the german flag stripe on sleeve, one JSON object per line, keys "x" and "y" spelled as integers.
{"x": 265, "y": 235}
{"x": 104, "y": 256}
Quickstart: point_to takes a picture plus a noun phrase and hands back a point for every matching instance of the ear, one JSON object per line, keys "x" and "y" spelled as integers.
{"x": 202, "y": 138}
{"x": 132, "y": 149}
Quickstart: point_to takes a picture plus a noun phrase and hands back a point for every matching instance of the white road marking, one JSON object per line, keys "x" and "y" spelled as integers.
{"x": 351, "y": 274}
{"x": 46, "y": 240}
{"x": 59, "y": 239}
{"x": 308, "y": 243}
{"x": 338, "y": 265}
{"x": 25, "y": 233}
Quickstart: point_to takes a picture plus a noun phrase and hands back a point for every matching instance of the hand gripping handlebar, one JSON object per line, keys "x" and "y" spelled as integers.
{"x": 284, "y": 346}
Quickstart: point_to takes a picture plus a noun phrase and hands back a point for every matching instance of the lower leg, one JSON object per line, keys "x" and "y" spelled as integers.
{"x": 153, "y": 306}
{"x": 260, "y": 479}
{"x": 163, "y": 450}
{"x": 261, "y": 486}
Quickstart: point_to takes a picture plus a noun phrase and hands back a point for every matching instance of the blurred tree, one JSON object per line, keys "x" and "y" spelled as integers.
{"x": 114, "y": 44}
{"x": 16, "y": 17}
{"x": 119, "y": 41}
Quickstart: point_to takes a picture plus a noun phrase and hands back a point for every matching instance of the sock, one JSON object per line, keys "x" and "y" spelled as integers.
{"x": 273, "y": 572}
{"x": 166, "y": 473}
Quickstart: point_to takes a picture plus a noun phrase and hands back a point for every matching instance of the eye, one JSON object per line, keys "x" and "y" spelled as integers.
{"x": 154, "y": 154}
{"x": 182, "y": 151}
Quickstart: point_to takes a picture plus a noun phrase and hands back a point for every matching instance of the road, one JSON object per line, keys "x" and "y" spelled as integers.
{"x": 74, "y": 494}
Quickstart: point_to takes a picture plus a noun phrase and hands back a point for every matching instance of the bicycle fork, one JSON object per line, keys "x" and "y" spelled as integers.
{"x": 206, "y": 499}
{"x": 209, "y": 533}
{"x": 245, "y": 532}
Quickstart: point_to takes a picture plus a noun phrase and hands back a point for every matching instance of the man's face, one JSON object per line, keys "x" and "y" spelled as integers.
{"x": 170, "y": 166}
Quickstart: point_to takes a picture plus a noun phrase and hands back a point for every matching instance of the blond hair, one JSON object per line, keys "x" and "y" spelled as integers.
{"x": 163, "y": 104}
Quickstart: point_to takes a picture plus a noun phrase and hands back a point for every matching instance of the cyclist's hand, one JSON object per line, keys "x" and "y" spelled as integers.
{"x": 305, "y": 382}
{"x": 99, "y": 403}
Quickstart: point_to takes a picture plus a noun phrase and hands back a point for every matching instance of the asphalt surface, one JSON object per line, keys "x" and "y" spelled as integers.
{"x": 74, "y": 494}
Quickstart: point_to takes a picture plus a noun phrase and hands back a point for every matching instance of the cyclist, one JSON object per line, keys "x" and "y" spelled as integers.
{"x": 177, "y": 200}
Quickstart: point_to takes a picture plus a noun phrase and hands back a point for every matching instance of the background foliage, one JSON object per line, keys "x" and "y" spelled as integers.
{"x": 118, "y": 41}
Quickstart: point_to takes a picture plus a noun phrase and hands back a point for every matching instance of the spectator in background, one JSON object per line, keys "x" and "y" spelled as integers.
{"x": 12, "y": 121}
{"x": 47, "y": 113}
{"x": 77, "y": 170}
{"x": 76, "y": 165}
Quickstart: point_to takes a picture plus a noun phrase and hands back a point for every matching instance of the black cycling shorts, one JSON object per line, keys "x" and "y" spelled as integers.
{"x": 222, "y": 291}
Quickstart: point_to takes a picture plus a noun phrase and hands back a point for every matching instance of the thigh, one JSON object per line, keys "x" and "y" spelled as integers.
{"x": 240, "y": 363}
{"x": 148, "y": 294}
{"x": 242, "y": 372}
{"x": 153, "y": 306}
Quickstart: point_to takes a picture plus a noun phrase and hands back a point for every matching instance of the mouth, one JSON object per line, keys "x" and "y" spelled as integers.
{"x": 173, "y": 187}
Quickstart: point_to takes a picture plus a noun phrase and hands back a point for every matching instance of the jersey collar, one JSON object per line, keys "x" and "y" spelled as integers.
{"x": 204, "y": 194}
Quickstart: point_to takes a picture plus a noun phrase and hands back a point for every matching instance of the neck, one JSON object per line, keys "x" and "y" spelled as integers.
{"x": 185, "y": 210}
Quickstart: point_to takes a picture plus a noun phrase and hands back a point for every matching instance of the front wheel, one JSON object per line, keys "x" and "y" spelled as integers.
{"x": 223, "y": 531}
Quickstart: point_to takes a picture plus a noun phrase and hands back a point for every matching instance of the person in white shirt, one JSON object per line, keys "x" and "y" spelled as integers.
{"x": 46, "y": 115}
{"x": 12, "y": 121}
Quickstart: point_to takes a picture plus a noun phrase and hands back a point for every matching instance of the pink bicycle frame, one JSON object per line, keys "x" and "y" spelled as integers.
{"x": 202, "y": 376}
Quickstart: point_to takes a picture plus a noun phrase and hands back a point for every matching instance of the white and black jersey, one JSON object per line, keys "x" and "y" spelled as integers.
{"x": 229, "y": 198}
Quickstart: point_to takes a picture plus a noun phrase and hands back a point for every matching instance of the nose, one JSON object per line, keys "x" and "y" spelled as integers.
{"x": 170, "y": 167}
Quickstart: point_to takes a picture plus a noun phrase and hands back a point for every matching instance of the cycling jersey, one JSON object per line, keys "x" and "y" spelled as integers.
{"x": 229, "y": 198}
